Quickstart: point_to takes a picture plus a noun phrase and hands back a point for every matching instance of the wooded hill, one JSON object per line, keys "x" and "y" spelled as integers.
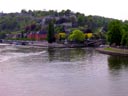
{"x": 17, "y": 22}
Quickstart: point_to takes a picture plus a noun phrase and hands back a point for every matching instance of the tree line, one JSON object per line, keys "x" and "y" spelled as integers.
{"x": 117, "y": 34}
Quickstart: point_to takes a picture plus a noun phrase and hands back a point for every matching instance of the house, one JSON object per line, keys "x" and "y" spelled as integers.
{"x": 88, "y": 33}
{"x": 39, "y": 35}
{"x": 47, "y": 19}
{"x": 31, "y": 35}
{"x": 60, "y": 35}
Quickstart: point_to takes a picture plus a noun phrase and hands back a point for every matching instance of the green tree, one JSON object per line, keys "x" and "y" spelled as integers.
{"x": 115, "y": 32}
{"x": 67, "y": 12}
{"x": 23, "y": 11}
{"x": 124, "y": 40}
{"x": 77, "y": 36}
{"x": 2, "y": 35}
{"x": 81, "y": 20}
{"x": 50, "y": 36}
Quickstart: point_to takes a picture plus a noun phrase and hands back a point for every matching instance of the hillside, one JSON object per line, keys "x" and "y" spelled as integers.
{"x": 36, "y": 20}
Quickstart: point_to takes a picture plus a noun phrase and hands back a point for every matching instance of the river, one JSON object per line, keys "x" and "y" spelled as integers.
{"x": 32, "y": 71}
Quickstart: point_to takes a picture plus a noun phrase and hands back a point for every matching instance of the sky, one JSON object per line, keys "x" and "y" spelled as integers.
{"x": 117, "y": 9}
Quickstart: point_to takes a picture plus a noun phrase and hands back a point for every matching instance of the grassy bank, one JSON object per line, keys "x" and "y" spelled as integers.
{"x": 113, "y": 51}
{"x": 118, "y": 50}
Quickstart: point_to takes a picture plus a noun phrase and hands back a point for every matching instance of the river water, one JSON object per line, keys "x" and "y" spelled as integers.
{"x": 30, "y": 71}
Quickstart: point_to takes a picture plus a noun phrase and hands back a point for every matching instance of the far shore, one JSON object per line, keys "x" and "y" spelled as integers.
{"x": 43, "y": 44}
{"x": 113, "y": 51}
{"x": 4, "y": 44}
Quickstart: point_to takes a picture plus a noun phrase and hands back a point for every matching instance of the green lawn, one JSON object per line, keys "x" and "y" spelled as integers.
{"x": 118, "y": 50}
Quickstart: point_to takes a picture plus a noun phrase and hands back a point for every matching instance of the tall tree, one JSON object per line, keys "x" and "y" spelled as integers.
{"x": 51, "y": 37}
{"x": 81, "y": 20}
{"x": 115, "y": 32}
{"x": 124, "y": 40}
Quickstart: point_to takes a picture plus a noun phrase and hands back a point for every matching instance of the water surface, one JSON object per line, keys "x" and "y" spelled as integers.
{"x": 29, "y": 71}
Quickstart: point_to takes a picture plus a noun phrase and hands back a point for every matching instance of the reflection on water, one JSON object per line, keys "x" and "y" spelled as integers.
{"x": 32, "y": 71}
{"x": 117, "y": 62}
{"x": 118, "y": 75}
{"x": 68, "y": 54}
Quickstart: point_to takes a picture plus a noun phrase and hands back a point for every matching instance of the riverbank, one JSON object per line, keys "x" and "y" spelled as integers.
{"x": 44, "y": 44}
{"x": 113, "y": 51}
{"x": 54, "y": 45}
{"x": 33, "y": 43}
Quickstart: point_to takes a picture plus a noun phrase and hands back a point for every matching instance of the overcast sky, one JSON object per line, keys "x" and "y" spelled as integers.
{"x": 117, "y": 9}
